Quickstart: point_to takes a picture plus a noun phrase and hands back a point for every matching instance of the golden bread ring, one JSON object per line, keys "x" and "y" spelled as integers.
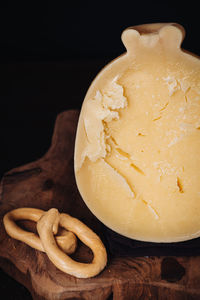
{"x": 45, "y": 226}
{"x": 67, "y": 240}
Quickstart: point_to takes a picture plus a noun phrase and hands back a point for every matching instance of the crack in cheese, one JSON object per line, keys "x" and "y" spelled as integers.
{"x": 101, "y": 110}
{"x": 137, "y": 162}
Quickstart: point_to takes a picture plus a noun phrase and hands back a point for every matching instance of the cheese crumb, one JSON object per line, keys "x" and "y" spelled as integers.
{"x": 172, "y": 84}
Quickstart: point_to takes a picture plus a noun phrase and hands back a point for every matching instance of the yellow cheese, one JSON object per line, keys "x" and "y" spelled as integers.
{"x": 137, "y": 161}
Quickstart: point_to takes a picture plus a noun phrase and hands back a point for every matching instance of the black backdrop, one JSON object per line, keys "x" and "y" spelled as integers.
{"x": 60, "y": 30}
{"x": 50, "y": 53}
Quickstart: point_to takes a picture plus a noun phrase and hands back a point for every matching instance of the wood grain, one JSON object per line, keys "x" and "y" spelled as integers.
{"x": 49, "y": 182}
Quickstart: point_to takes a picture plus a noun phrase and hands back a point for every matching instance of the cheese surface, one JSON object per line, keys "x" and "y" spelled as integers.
{"x": 137, "y": 162}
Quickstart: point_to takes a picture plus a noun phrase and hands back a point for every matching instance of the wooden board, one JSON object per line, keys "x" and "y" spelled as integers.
{"x": 49, "y": 182}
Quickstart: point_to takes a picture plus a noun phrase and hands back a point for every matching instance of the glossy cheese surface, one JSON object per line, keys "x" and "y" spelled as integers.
{"x": 137, "y": 161}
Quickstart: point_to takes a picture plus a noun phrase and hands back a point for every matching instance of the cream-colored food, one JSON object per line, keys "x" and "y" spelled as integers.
{"x": 62, "y": 261}
{"x": 66, "y": 240}
{"x": 57, "y": 248}
{"x": 137, "y": 160}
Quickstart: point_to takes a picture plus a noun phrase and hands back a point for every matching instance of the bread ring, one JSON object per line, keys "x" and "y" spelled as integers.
{"x": 86, "y": 235}
{"x": 67, "y": 240}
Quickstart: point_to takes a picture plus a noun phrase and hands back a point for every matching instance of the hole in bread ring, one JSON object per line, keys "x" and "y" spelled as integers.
{"x": 85, "y": 234}
{"x": 66, "y": 241}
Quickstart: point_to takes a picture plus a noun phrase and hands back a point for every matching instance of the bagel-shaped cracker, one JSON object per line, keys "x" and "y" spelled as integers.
{"x": 67, "y": 240}
{"x": 62, "y": 261}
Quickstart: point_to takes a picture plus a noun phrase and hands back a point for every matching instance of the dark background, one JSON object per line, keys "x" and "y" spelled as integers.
{"x": 50, "y": 53}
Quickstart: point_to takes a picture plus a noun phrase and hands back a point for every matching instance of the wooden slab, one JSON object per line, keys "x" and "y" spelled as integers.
{"x": 49, "y": 182}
